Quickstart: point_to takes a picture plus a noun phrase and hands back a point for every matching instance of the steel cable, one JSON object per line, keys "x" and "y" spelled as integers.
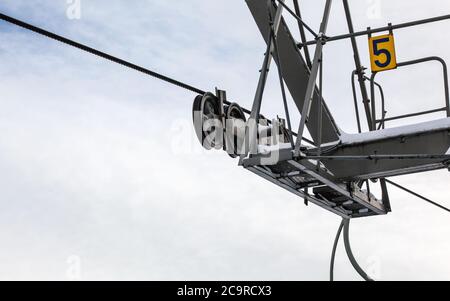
{"x": 98, "y": 53}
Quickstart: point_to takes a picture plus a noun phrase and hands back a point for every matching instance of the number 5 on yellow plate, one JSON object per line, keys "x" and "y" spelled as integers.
{"x": 382, "y": 53}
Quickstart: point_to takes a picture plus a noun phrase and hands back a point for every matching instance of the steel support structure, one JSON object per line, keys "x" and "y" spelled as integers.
{"x": 256, "y": 108}
{"x": 380, "y": 29}
{"x": 445, "y": 109}
{"x": 321, "y": 40}
{"x": 359, "y": 68}
{"x": 301, "y": 28}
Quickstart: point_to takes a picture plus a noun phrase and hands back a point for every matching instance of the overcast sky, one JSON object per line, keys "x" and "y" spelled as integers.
{"x": 101, "y": 177}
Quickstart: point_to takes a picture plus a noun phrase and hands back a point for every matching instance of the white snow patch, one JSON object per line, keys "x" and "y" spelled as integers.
{"x": 430, "y": 126}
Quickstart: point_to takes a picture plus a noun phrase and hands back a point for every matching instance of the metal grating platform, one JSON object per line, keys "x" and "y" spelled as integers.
{"x": 317, "y": 186}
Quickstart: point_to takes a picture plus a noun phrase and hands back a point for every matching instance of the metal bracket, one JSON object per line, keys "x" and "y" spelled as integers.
{"x": 391, "y": 29}
{"x": 322, "y": 38}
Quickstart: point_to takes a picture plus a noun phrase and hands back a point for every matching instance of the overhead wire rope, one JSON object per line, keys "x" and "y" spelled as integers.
{"x": 418, "y": 195}
{"x": 98, "y": 53}
{"x": 111, "y": 58}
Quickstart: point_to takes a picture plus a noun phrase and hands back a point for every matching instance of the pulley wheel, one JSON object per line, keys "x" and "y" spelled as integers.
{"x": 233, "y": 112}
{"x": 207, "y": 123}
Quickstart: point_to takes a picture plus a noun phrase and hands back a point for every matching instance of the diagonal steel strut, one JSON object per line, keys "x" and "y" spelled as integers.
{"x": 313, "y": 76}
{"x": 256, "y": 108}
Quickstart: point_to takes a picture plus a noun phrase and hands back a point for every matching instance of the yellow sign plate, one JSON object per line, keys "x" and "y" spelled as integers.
{"x": 382, "y": 53}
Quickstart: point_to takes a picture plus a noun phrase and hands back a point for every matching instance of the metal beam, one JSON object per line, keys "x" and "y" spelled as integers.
{"x": 412, "y": 115}
{"x": 301, "y": 28}
{"x": 299, "y": 193}
{"x": 413, "y": 141}
{"x": 256, "y": 108}
{"x": 409, "y": 63}
{"x": 418, "y": 195}
{"x": 355, "y": 101}
{"x": 280, "y": 77}
{"x": 359, "y": 68}
{"x": 298, "y": 18}
{"x": 381, "y": 29}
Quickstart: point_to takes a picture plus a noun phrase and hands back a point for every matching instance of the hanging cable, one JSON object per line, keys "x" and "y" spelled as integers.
{"x": 348, "y": 249}
{"x": 98, "y": 53}
{"x": 418, "y": 195}
{"x": 333, "y": 253}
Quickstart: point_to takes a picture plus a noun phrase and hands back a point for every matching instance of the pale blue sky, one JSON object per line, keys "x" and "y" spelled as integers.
{"x": 101, "y": 163}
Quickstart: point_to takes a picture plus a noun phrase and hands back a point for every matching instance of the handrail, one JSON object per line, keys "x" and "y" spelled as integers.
{"x": 355, "y": 100}
{"x": 383, "y": 120}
